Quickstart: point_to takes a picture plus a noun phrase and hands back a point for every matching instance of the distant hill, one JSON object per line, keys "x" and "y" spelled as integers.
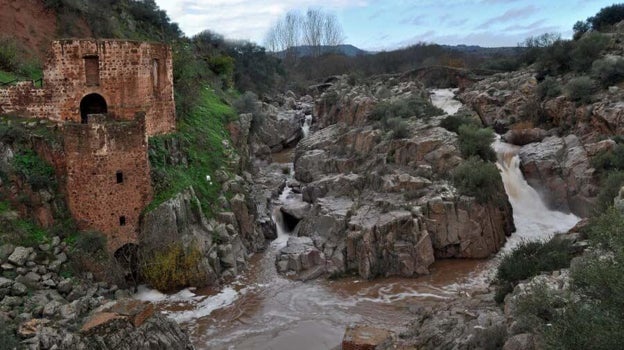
{"x": 479, "y": 50}
{"x": 306, "y": 50}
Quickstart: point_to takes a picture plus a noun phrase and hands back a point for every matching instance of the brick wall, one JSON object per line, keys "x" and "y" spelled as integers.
{"x": 95, "y": 153}
{"x": 133, "y": 77}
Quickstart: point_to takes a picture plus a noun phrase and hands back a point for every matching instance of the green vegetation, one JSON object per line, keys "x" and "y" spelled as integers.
{"x": 591, "y": 315}
{"x": 580, "y": 89}
{"x": 528, "y": 260}
{"x": 404, "y": 108}
{"x": 35, "y": 170}
{"x": 608, "y": 71}
{"x": 610, "y": 165}
{"x": 476, "y": 141}
{"x": 549, "y": 87}
{"x": 200, "y": 137}
{"x": 19, "y": 231}
{"x": 454, "y": 122}
{"x": 173, "y": 268}
{"x": 14, "y": 63}
{"x": 603, "y": 20}
{"x": 478, "y": 179}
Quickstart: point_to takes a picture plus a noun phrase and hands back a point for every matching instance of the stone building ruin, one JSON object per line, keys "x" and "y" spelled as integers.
{"x": 107, "y": 97}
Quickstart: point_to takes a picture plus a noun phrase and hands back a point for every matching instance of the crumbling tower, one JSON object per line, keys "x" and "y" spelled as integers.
{"x": 108, "y": 96}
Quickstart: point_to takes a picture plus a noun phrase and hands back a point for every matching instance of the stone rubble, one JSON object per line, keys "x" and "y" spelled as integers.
{"x": 46, "y": 307}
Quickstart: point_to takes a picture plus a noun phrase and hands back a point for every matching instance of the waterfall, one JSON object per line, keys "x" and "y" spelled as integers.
{"x": 534, "y": 221}
{"x": 306, "y": 125}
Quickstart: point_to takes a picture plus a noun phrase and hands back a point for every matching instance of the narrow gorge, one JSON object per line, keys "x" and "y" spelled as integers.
{"x": 266, "y": 309}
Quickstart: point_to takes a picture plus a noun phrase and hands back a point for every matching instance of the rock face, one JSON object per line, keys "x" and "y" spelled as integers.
{"x": 556, "y": 157}
{"x": 381, "y": 206}
{"x": 560, "y": 168}
{"x": 223, "y": 245}
{"x": 278, "y": 125}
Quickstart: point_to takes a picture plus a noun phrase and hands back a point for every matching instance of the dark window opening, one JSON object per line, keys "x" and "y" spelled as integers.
{"x": 122, "y": 221}
{"x": 120, "y": 178}
{"x": 92, "y": 70}
{"x": 92, "y": 104}
{"x": 155, "y": 76}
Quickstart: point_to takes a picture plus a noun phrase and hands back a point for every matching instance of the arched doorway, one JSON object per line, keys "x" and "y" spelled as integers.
{"x": 92, "y": 104}
{"x": 127, "y": 257}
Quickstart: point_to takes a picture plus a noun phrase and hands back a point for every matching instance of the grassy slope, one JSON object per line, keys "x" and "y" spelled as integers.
{"x": 201, "y": 135}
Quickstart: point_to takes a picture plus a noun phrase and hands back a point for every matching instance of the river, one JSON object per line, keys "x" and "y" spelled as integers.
{"x": 264, "y": 310}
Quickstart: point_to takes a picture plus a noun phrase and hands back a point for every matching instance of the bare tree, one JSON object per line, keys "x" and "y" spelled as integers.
{"x": 332, "y": 34}
{"x": 315, "y": 29}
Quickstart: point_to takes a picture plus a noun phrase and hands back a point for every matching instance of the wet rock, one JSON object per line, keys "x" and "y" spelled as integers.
{"x": 361, "y": 337}
{"x": 560, "y": 169}
{"x": 300, "y": 255}
{"x": 296, "y": 209}
{"x": 465, "y": 228}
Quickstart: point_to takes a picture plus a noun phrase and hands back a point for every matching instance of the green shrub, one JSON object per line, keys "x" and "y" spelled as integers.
{"x": 478, "y": 179}
{"x": 609, "y": 160}
{"x": 90, "y": 243}
{"x": 580, "y": 89}
{"x": 592, "y": 316}
{"x": 172, "y": 268}
{"x": 476, "y": 141}
{"x": 529, "y": 259}
{"x": 399, "y": 128}
{"x": 549, "y": 87}
{"x": 538, "y": 308}
{"x": 404, "y": 108}
{"x": 453, "y": 122}
{"x": 586, "y": 50}
{"x": 9, "y": 55}
{"x": 607, "y": 16}
{"x": 247, "y": 103}
{"x": 608, "y": 71}
{"x": 609, "y": 189}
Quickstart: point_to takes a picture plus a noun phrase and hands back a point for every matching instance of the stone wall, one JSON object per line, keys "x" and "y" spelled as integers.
{"x": 97, "y": 196}
{"x": 131, "y": 77}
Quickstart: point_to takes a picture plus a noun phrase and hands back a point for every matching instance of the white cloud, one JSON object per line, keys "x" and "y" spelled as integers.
{"x": 240, "y": 19}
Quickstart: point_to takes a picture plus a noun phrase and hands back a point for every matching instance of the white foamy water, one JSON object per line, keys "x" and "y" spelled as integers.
{"x": 444, "y": 99}
{"x": 306, "y": 125}
{"x": 533, "y": 220}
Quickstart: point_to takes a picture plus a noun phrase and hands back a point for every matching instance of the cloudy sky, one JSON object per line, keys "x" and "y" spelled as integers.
{"x": 388, "y": 24}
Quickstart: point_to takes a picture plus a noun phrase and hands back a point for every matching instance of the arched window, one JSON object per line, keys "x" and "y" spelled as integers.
{"x": 92, "y": 104}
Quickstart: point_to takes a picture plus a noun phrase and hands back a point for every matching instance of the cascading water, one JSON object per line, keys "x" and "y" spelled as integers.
{"x": 534, "y": 221}
{"x": 305, "y": 129}
{"x": 263, "y": 310}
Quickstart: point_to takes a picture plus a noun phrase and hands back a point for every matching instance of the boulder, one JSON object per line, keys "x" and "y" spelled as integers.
{"x": 20, "y": 256}
{"x": 360, "y": 337}
{"x": 521, "y": 137}
{"x": 300, "y": 257}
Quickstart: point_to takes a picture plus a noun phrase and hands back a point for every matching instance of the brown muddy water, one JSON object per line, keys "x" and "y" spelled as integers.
{"x": 264, "y": 310}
